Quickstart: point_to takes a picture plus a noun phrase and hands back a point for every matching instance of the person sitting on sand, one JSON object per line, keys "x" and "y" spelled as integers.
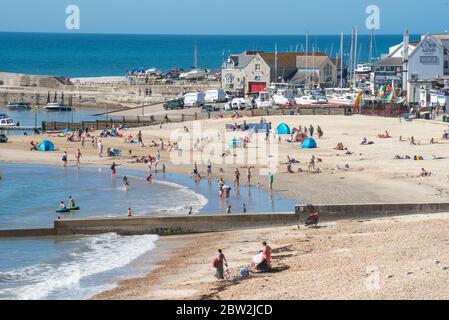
{"x": 432, "y": 141}
{"x": 340, "y": 147}
{"x": 425, "y": 173}
{"x": 265, "y": 265}
{"x": 384, "y": 135}
{"x": 418, "y": 158}
{"x": 289, "y": 168}
{"x": 366, "y": 142}
{"x": 401, "y": 139}
{"x": 33, "y": 146}
{"x": 445, "y": 135}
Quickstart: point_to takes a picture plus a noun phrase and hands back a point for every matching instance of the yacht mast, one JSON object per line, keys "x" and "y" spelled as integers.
{"x": 355, "y": 51}
{"x": 350, "y": 65}
{"x": 341, "y": 61}
{"x": 307, "y": 60}
{"x": 195, "y": 58}
{"x": 275, "y": 63}
{"x": 371, "y": 48}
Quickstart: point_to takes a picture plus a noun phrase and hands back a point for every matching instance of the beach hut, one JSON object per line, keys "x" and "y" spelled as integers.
{"x": 309, "y": 143}
{"x": 46, "y": 145}
{"x": 283, "y": 129}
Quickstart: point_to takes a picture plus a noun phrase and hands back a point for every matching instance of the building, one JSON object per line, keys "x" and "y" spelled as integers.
{"x": 315, "y": 71}
{"x": 254, "y": 71}
{"x": 233, "y": 71}
{"x": 413, "y": 66}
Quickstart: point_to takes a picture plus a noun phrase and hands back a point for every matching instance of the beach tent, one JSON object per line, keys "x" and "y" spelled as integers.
{"x": 309, "y": 143}
{"x": 46, "y": 146}
{"x": 234, "y": 143}
{"x": 283, "y": 129}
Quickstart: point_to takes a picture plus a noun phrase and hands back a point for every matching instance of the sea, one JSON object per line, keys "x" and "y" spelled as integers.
{"x": 78, "y": 267}
{"x": 91, "y": 55}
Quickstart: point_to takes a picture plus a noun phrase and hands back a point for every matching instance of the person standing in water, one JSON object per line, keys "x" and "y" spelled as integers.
{"x": 125, "y": 183}
{"x": 78, "y": 155}
{"x": 113, "y": 169}
{"x": 130, "y": 213}
{"x": 244, "y": 208}
{"x": 270, "y": 180}
{"x": 64, "y": 159}
{"x": 228, "y": 209}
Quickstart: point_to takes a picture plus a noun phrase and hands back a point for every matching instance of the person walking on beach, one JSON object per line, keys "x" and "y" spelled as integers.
{"x": 219, "y": 263}
{"x": 139, "y": 138}
{"x": 100, "y": 149}
{"x": 64, "y": 159}
{"x": 78, "y": 155}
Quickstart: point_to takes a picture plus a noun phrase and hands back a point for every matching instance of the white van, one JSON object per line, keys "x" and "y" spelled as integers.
{"x": 194, "y": 99}
{"x": 238, "y": 104}
{"x": 214, "y": 96}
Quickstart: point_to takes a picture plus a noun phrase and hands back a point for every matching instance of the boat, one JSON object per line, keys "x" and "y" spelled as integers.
{"x": 18, "y": 106}
{"x": 311, "y": 100}
{"x": 195, "y": 74}
{"x": 345, "y": 99}
{"x": 6, "y": 121}
{"x": 57, "y": 107}
{"x": 283, "y": 97}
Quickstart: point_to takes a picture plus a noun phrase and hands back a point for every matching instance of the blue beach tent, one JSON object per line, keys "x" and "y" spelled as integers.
{"x": 283, "y": 129}
{"x": 234, "y": 143}
{"x": 46, "y": 146}
{"x": 309, "y": 143}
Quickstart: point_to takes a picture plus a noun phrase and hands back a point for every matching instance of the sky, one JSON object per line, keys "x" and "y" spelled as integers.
{"x": 224, "y": 17}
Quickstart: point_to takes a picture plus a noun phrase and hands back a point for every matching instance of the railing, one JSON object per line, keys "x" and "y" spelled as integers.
{"x": 140, "y": 121}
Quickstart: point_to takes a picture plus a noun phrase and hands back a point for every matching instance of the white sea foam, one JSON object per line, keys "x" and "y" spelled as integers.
{"x": 62, "y": 279}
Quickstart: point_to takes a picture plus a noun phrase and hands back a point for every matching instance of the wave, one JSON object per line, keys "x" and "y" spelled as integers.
{"x": 62, "y": 279}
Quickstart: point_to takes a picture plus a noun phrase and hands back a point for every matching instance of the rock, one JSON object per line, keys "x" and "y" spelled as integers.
{"x": 444, "y": 268}
{"x": 436, "y": 262}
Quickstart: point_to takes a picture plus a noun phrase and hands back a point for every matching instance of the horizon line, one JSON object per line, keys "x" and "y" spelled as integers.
{"x": 203, "y": 34}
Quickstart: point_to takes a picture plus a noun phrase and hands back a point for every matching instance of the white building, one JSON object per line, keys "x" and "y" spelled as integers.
{"x": 417, "y": 63}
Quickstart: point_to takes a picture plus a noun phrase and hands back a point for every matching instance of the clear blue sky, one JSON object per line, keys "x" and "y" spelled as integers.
{"x": 224, "y": 16}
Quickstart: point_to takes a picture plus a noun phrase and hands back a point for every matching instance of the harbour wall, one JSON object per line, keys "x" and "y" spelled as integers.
{"x": 215, "y": 223}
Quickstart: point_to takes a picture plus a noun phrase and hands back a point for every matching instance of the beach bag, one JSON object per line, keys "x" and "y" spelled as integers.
{"x": 244, "y": 272}
{"x": 216, "y": 263}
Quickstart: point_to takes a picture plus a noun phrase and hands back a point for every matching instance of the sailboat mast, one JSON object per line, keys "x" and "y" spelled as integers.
{"x": 355, "y": 50}
{"x": 307, "y": 60}
{"x": 275, "y": 62}
{"x": 341, "y": 61}
{"x": 371, "y": 48}
{"x": 351, "y": 56}
{"x": 195, "y": 58}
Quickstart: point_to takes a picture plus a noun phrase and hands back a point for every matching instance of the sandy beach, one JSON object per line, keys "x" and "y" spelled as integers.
{"x": 397, "y": 257}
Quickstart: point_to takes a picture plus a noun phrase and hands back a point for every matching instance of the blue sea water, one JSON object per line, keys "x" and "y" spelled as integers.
{"x": 84, "y": 55}
{"x": 77, "y": 267}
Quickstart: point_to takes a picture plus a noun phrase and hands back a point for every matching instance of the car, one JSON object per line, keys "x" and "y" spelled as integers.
{"x": 173, "y": 104}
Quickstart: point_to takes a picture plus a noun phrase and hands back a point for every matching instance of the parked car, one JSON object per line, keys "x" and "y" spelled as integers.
{"x": 194, "y": 99}
{"x": 173, "y": 104}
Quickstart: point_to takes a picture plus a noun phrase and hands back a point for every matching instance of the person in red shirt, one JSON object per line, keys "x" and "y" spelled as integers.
{"x": 266, "y": 255}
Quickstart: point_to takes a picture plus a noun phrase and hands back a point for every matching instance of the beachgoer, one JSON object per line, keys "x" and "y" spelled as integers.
{"x": 78, "y": 155}
{"x": 64, "y": 159}
{"x": 209, "y": 168}
{"x": 125, "y": 183}
{"x": 62, "y": 205}
{"x": 113, "y": 169}
{"x": 265, "y": 265}
{"x": 248, "y": 175}
{"x": 228, "y": 209}
{"x": 270, "y": 180}
{"x": 71, "y": 202}
{"x": 149, "y": 178}
{"x": 219, "y": 263}
{"x": 236, "y": 178}
{"x": 139, "y": 138}
{"x": 130, "y": 213}
{"x": 100, "y": 149}
{"x": 244, "y": 208}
